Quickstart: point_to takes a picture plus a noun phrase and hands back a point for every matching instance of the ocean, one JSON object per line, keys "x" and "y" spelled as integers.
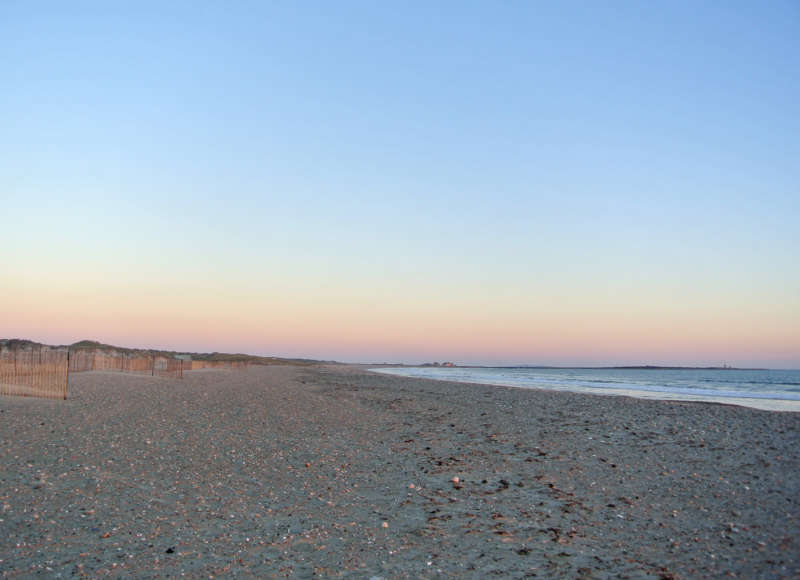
{"x": 775, "y": 390}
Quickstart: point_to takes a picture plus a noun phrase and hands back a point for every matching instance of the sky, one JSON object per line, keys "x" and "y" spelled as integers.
{"x": 492, "y": 182}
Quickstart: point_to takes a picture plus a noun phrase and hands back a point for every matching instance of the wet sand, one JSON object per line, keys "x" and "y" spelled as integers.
{"x": 334, "y": 471}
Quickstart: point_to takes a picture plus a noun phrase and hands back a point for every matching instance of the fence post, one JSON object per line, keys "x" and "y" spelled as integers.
{"x": 66, "y": 385}
{"x": 154, "y": 365}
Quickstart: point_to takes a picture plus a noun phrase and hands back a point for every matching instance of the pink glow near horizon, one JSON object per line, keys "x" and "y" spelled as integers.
{"x": 392, "y": 338}
{"x": 358, "y": 317}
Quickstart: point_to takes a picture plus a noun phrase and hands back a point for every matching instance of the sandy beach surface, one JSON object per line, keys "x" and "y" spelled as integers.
{"x": 333, "y": 471}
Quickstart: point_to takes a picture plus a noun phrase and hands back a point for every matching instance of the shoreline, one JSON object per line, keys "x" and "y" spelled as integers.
{"x": 579, "y": 368}
{"x": 760, "y": 403}
{"x": 340, "y": 471}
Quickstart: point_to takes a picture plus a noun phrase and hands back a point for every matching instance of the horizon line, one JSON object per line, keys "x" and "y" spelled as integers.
{"x": 725, "y": 366}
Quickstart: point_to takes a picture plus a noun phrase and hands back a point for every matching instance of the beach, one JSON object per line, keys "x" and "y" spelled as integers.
{"x": 334, "y": 471}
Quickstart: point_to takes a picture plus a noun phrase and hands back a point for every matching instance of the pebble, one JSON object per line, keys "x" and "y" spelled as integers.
{"x": 220, "y": 482}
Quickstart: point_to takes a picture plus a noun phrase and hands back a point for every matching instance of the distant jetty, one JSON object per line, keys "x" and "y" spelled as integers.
{"x": 658, "y": 368}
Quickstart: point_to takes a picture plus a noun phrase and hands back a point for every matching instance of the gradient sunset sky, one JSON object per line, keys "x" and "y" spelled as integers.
{"x": 482, "y": 182}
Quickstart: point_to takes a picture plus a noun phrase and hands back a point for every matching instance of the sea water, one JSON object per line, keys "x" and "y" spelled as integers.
{"x": 777, "y": 390}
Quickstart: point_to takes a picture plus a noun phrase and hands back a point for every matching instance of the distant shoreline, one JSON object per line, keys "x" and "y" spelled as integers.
{"x": 628, "y": 368}
{"x": 606, "y": 368}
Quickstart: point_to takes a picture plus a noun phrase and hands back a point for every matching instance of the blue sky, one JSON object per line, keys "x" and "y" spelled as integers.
{"x": 555, "y": 158}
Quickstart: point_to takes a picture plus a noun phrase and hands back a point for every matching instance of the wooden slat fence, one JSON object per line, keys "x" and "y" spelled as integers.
{"x": 44, "y": 371}
{"x": 218, "y": 364}
{"x": 89, "y": 360}
{"x": 81, "y": 360}
{"x": 168, "y": 367}
{"x": 34, "y": 372}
